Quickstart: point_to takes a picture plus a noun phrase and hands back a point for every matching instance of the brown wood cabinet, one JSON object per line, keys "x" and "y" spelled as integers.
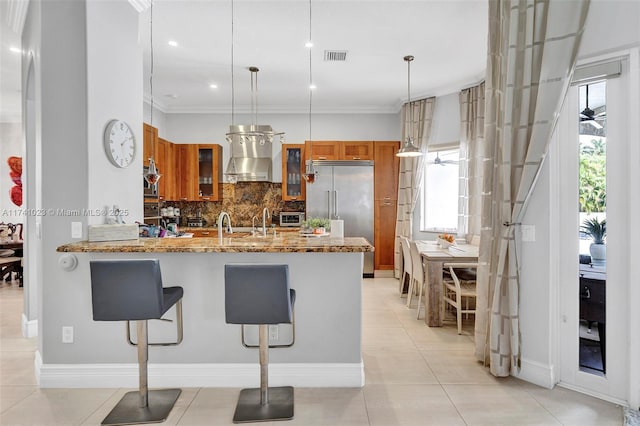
{"x": 149, "y": 142}
{"x": 186, "y": 172}
{"x": 166, "y": 167}
{"x": 293, "y": 168}
{"x": 385, "y": 188}
{"x": 199, "y": 233}
{"x": 209, "y": 172}
{"x": 339, "y": 150}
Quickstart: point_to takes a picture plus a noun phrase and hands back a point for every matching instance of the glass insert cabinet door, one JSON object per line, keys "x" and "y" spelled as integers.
{"x": 209, "y": 172}
{"x": 592, "y": 201}
{"x": 293, "y": 183}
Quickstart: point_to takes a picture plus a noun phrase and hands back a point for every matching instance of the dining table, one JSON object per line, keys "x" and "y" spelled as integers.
{"x": 433, "y": 258}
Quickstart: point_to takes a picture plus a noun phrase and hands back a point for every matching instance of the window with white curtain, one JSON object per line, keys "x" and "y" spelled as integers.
{"x": 440, "y": 190}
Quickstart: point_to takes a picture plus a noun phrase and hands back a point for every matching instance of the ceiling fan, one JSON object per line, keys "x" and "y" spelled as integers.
{"x": 589, "y": 116}
{"x": 442, "y": 162}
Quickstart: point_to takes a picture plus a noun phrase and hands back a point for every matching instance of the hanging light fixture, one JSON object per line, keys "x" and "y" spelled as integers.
{"x": 310, "y": 172}
{"x": 408, "y": 149}
{"x": 152, "y": 174}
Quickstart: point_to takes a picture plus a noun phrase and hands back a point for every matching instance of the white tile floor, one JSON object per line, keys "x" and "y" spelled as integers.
{"x": 415, "y": 375}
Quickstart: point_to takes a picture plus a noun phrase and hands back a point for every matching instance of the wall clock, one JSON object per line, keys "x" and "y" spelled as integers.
{"x": 119, "y": 143}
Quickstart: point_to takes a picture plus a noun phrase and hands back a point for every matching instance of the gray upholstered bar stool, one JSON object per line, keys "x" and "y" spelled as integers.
{"x": 260, "y": 295}
{"x": 131, "y": 290}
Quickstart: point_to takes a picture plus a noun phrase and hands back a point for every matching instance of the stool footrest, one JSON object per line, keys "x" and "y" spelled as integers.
{"x": 129, "y": 412}
{"x": 279, "y": 407}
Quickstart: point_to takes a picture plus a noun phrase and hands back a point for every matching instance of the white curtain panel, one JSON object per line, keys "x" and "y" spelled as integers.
{"x": 471, "y": 161}
{"x": 417, "y": 124}
{"x": 531, "y": 56}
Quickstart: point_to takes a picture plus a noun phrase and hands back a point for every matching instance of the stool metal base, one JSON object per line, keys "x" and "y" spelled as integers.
{"x": 249, "y": 409}
{"x": 129, "y": 412}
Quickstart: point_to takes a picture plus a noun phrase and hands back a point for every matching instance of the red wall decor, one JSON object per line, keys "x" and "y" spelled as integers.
{"x": 15, "y": 164}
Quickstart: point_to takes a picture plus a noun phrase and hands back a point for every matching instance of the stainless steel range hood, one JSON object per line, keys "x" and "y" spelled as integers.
{"x": 251, "y": 152}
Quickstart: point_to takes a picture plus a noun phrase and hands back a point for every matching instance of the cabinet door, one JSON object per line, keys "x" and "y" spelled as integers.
{"x": 293, "y": 168}
{"x": 384, "y": 234}
{"x": 209, "y": 160}
{"x": 325, "y": 150}
{"x": 186, "y": 172}
{"x": 164, "y": 162}
{"x": 386, "y": 168}
{"x": 149, "y": 142}
{"x": 356, "y": 150}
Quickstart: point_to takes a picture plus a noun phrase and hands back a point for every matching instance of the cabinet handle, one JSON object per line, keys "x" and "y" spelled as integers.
{"x": 206, "y": 198}
{"x": 205, "y": 232}
{"x": 387, "y": 198}
{"x": 183, "y": 199}
{"x": 356, "y": 158}
{"x": 294, "y": 198}
{"x": 386, "y": 203}
{"x": 322, "y": 158}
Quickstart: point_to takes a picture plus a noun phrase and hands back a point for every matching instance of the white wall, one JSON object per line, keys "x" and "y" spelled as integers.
{"x": 211, "y": 128}
{"x": 73, "y": 99}
{"x": 10, "y": 145}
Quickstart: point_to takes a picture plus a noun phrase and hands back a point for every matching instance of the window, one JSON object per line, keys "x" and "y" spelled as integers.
{"x": 440, "y": 191}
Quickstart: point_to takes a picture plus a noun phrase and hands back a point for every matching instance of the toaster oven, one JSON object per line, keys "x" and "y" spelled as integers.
{"x": 293, "y": 219}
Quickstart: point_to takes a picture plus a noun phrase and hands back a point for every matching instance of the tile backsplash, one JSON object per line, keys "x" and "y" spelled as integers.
{"x": 242, "y": 201}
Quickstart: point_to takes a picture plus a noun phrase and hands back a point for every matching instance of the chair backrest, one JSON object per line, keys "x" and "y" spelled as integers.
{"x": 416, "y": 260}
{"x": 257, "y": 294}
{"x": 406, "y": 254}
{"x": 126, "y": 290}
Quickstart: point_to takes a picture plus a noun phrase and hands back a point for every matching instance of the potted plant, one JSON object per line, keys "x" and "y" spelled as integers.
{"x": 318, "y": 225}
{"x": 597, "y": 230}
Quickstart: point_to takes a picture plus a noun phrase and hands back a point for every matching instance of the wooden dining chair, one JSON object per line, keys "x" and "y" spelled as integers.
{"x": 458, "y": 291}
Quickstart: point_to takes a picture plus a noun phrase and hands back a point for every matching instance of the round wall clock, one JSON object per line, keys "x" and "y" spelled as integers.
{"x": 119, "y": 143}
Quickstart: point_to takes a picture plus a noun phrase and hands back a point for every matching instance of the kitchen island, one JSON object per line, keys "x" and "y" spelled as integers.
{"x": 325, "y": 272}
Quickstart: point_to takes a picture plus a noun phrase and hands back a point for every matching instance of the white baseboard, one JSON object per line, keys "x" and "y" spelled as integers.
{"x": 598, "y": 395}
{"x": 29, "y": 328}
{"x": 197, "y": 375}
{"x": 536, "y": 373}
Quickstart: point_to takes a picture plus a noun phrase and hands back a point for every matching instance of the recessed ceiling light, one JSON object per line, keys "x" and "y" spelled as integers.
{"x": 312, "y": 87}
{"x": 308, "y": 44}
{"x": 15, "y": 49}
{"x": 213, "y": 86}
{"x": 173, "y": 43}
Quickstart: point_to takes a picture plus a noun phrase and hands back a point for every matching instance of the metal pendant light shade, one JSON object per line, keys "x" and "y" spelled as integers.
{"x": 408, "y": 149}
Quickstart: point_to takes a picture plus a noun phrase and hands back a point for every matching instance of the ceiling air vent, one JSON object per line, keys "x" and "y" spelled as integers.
{"x": 335, "y": 55}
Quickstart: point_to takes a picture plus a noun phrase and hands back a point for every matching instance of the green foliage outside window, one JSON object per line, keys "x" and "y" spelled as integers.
{"x": 593, "y": 176}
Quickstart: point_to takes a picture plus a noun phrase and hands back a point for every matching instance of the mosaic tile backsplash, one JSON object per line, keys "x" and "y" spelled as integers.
{"x": 242, "y": 201}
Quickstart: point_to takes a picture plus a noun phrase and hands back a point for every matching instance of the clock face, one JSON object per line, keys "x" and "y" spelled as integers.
{"x": 119, "y": 143}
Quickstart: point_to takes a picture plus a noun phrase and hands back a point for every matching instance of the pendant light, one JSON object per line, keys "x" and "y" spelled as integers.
{"x": 152, "y": 174}
{"x": 310, "y": 172}
{"x": 408, "y": 149}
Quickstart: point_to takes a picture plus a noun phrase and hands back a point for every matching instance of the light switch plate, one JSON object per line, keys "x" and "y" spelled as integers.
{"x": 76, "y": 229}
{"x": 528, "y": 233}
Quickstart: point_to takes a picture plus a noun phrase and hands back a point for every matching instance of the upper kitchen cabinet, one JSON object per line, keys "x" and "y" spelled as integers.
{"x": 198, "y": 172}
{"x": 293, "y": 167}
{"x": 166, "y": 167}
{"x": 149, "y": 142}
{"x": 356, "y": 150}
{"x": 339, "y": 150}
{"x": 209, "y": 172}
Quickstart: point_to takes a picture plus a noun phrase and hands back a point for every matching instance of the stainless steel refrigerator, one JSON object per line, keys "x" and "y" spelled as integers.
{"x": 344, "y": 190}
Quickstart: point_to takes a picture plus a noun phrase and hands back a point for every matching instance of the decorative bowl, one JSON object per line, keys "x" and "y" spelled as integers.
{"x": 445, "y": 244}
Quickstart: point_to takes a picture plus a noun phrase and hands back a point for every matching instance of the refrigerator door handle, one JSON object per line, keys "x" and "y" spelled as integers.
{"x": 328, "y": 204}
{"x": 335, "y": 205}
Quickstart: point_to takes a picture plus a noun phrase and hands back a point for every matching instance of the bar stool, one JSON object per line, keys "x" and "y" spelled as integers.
{"x": 260, "y": 295}
{"x": 131, "y": 290}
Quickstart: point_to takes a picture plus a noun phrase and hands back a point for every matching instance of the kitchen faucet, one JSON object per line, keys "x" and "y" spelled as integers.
{"x": 253, "y": 225}
{"x": 265, "y": 215}
{"x": 220, "y": 221}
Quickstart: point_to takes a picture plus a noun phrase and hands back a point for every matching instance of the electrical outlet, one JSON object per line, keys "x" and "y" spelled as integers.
{"x": 528, "y": 233}
{"x": 76, "y": 229}
{"x": 273, "y": 332}
{"x": 67, "y": 334}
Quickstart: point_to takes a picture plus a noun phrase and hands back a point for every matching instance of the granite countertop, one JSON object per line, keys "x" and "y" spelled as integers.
{"x": 280, "y": 244}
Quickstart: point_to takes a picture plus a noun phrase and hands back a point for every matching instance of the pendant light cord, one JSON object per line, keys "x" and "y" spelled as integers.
{"x": 151, "y": 71}
{"x": 233, "y": 91}
{"x": 310, "y": 73}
